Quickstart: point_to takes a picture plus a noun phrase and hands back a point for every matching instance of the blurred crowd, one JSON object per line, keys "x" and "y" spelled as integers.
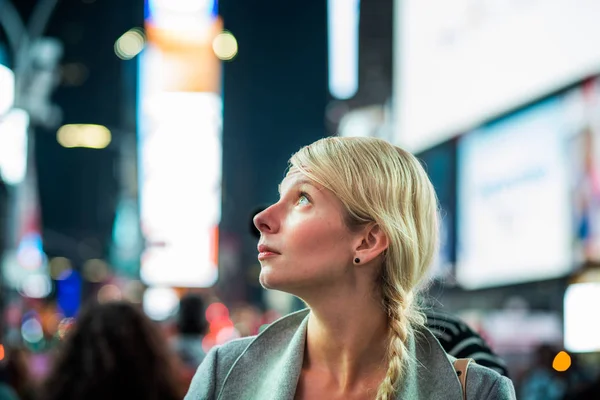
{"x": 113, "y": 350}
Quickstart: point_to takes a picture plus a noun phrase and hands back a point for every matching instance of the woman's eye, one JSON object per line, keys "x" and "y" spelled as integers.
{"x": 303, "y": 199}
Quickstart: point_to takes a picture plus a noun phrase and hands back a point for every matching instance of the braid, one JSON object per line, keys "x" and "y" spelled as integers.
{"x": 401, "y": 316}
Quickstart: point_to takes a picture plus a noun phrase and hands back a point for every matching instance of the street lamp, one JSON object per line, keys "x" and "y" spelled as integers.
{"x": 35, "y": 60}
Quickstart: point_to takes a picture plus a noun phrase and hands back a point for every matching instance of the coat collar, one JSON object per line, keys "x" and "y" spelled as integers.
{"x": 270, "y": 366}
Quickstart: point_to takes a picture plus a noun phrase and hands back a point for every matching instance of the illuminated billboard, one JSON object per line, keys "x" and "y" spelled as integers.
{"x": 469, "y": 61}
{"x": 179, "y": 144}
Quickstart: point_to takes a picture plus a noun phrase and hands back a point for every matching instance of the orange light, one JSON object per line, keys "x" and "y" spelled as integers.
{"x": 214, "y": 238}
{"x": 1, "y": 352}
{"x": 561, "y": 362}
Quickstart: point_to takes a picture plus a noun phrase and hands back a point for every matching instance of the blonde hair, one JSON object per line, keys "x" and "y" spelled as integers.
{"x": 381, "y": 183}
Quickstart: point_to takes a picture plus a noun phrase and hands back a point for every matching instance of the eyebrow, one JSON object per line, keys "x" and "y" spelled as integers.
{"x": 298, "y": 183}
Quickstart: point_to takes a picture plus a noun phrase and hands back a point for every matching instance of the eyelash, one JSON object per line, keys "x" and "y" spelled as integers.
{"x": 303, "y": 194}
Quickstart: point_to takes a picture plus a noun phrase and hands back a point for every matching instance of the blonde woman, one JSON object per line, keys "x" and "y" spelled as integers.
{"x": 353, "y": 234}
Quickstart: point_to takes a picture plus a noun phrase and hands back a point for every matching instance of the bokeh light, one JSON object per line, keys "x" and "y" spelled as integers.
{"x": 32, "y": 331}
{"x": 134, "y": 291}
{"x": 64, "y": 326}
{"x": 95, "y": 270}
{"x": 225, "y": 46}
{"x": 108, "y": 293}
{"x": 130, "y": 44}
{"x": 84, "y": 135}
{"x": 562, "y": 361}
{"x": 160, "y": 303}
{"x": 58, "y": 266}
{"x": 216, "y": 311}
{"x": 36, "y": 286}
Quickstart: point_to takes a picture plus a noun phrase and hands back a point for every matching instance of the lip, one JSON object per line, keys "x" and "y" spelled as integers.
{"x": 265, "y": 252}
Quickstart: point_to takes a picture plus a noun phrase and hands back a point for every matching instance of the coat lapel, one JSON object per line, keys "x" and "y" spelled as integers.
{"x": 432, "y": 376}
{"x": 270, "y": 367}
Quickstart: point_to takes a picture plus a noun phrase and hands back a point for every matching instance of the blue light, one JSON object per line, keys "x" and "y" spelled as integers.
{"x": 69, "y": 294}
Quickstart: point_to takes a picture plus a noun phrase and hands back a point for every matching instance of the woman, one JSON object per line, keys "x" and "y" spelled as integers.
{"x": 113, "y": 352}
{"x": 353, "y": 235}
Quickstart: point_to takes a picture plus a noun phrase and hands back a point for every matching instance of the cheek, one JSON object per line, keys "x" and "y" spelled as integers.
{"x": 316, "y": 238}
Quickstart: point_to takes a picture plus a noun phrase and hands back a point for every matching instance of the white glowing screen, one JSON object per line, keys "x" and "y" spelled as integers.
{"x": 582, "y": 323}
{"x": 461, "y": 62}
{"x": 179, "y": 179}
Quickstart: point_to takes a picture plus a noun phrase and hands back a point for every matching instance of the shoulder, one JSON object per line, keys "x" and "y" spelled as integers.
{"x": 485, "y": 383}
{"x": 280, "y": 330}
{"x": 213, "y": 369}
{"x": 227, "y": 353}
{"x": 222, "y": 360}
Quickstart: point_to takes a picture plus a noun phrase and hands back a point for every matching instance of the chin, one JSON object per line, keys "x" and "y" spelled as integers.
{"x": 266, "y": 278}
{"x": 270, "y": 279}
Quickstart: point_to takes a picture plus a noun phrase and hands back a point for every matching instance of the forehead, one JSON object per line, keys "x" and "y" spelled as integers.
{"x": 295, "y": 178}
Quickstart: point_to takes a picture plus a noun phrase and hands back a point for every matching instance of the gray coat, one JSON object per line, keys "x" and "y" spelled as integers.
{"x": 268, "y": 366}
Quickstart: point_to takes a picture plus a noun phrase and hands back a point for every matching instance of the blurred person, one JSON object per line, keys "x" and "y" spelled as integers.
{"x": 455, "y": 336}
{"x": 191, "y": 328}
{"x": 113, "y": 351}
{"x": 542, "y": 382}
{"x": 14, "y": 372}
{"x": 460, "y": 341}
{"x": 580, "y": 382}
{"x": 353, "y": 235}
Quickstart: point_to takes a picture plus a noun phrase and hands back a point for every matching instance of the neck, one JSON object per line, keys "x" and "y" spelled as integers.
{"x": 347, "y": 339}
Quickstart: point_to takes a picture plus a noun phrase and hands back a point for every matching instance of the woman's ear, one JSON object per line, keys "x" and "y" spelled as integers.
{"x": 373, "y": 242}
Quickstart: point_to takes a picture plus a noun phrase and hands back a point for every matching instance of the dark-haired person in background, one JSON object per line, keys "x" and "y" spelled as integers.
{"x": 114, "y": 351}
{"x": 455, "y": 336}
{"x": 191, "y": 328}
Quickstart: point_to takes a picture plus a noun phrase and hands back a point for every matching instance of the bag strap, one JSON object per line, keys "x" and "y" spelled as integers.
{"x": 461, "y": 366}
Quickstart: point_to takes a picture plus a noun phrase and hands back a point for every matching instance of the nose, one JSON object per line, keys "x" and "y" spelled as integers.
{"x": 265, "y": 221}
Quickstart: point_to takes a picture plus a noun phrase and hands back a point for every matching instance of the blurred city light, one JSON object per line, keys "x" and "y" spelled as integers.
{"x": 160, "y": 303}
{"x": 36, "y": 286}
{"x": 580, "y": 329}
{"x": 226, "y": 334}
{"x": 530, "y": 51}
{"x": 134, "y": 291}
{"x": 68, "y": 292}
{"x": 58, "y": 266}
{"x": 32, "y": 331}
{"x": 1, "y": 352}
{"x": 64, "y": 326}
{"x": 7, "y": 89}
{"x": 179, "y": 136}
{"x": 190, "y": 16}
{"x": 216, "y": 311}
{"x": 130, "y": 44}
{"x": 182, "y": 6}
{"x": 342, "y": 25}
{"x": 95, "y": 270}
{"x": 108, "y": 293}
{"x": 84, "y": 135}
{"x": 30, "y": 254}
{"x": 225, "y": 46}
{"x": 13, "y": 144}
{"x": 561, "y": 362}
